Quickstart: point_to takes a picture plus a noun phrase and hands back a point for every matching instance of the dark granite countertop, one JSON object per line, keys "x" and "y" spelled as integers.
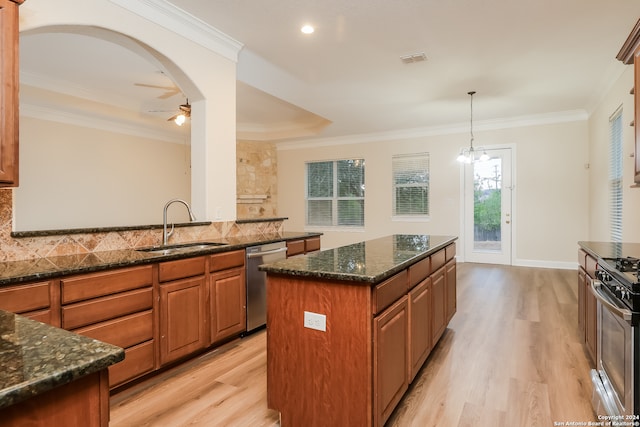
{"x": 611, "y": 249}
{"x": 15, "y": 272}
{"x": 36, "y": 357}
{"x": 370, "y": 261}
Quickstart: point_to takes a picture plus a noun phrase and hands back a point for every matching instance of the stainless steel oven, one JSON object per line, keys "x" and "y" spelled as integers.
{"x": 615, "y": 379}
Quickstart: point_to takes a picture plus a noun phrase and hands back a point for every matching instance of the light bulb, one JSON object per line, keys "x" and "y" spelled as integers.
{"x": 180, "y": 119}
{"x": 484, "y": 157}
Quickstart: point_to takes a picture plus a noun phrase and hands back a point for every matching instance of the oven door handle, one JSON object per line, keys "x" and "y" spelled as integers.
{"x": 622, "y": 313}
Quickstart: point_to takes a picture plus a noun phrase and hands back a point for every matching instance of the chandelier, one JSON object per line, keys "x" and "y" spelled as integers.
{"x": 469, "y": 155}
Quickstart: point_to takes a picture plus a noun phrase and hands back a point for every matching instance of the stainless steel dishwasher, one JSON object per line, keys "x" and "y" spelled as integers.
{"x": 257, "y": 281}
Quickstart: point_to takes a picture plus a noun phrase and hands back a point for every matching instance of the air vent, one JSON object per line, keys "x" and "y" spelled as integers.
{"x": 414, "y": 57}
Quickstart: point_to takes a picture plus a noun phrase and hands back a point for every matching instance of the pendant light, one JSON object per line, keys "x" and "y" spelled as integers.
{"x": 468, "y": 155}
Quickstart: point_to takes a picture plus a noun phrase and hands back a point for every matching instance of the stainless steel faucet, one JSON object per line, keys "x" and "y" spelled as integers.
{"x": 165, "y": 235}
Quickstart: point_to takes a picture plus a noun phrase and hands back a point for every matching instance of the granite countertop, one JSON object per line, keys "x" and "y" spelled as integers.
{"x": 36, "y": 357}
{"x": 611, "y": 249}
{"x": 15, "y": 272}
{"x": 370, "y": 261}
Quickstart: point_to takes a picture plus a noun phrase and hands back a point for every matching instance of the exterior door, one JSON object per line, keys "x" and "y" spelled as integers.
{"x": 487, "y": 208}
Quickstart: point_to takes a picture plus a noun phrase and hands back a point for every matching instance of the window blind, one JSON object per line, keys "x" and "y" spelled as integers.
{"x": 615, "y": 175}
{"x": 411, "y": 184}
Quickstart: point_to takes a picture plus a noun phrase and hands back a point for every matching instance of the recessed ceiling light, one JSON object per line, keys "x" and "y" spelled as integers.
{"x": 307, "y": 29}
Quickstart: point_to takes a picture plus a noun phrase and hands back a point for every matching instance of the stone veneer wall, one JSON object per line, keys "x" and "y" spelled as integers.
{"x": 256, "y": 175}
{"x": 14, "y": 249}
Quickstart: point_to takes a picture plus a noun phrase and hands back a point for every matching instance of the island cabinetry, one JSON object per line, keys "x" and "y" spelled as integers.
{"x": 391, "y": 358}
{"x": 227, "y": 296}
{"x": 38, "y": 301}
{"x": 450, "y": 288}
{"x": 115, "y": 307}
{"x": 587, "y": 303}
{"x": 182, "y": 308}
{"x": 303, "y": 246}
{"x": 9, "y": 84}
{"x": 355, "y": 370}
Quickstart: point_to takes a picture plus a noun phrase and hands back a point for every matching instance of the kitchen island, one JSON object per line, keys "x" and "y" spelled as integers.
{"x": 349, "y": 328}
{"x": 52, "y": 377}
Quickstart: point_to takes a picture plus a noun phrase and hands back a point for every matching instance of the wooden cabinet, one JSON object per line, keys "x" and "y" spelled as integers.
{"x": 587, "y": 304}
{"x": 38, "y": 301}
{"x": 630, "y": 54}
{"x": 84, "y": 402}
{"x": 385, "y": 332}
{"x": 450, "y": 289}
{"x": 390, "y": 359}
{"x": 9, "y": 85}
{"x": 227, "y": 296}
{"x": 182, "y": 308}
{"x": 419, "y": 326}
{"x": 303, "y": 246}
{"x": 438, "y": 305}
{"x": 115, "y": 307}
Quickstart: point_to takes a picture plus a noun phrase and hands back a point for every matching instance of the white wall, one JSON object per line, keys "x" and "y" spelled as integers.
{"x": 550, "y": 194}
{"x": 599, "y": 159}
{"x": 112, "y": 180}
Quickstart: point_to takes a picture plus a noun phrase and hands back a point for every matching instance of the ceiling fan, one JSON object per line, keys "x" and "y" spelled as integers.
{"x": 184, "y": 111}
{"x": 169, "y": 91}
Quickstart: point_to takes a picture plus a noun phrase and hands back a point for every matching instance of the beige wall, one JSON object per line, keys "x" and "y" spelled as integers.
{"x": 599, "y": 164}
{"x": 77, "y": 177}
{"x": 550, "y": 197}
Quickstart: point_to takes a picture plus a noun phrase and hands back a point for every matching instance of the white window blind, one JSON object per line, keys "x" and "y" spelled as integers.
{"x": 615, "y": 175}
{"x": 411, "y": 185}
{"x": 335, "y": 193}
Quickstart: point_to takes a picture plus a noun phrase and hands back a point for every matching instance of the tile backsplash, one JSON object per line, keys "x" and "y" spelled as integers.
{"x": 20, "y": 248}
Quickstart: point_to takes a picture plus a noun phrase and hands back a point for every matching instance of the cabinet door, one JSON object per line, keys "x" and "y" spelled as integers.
{"x": 8, "y": 93}
{"x": 227, "y": 304}
{"x": 390, "y": 359}
{"x": 591, "y": 320}
{"x": 182, "y": 322}
{"x": 438, "y": 305}
{"x": 582, "y": 300}
{"x": 419, "y": 326}
{"x": 450, "y": 288}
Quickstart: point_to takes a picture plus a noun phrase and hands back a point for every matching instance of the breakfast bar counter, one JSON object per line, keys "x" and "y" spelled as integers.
{"x": 50, "y": 376}
{"x": 349, "y": 328}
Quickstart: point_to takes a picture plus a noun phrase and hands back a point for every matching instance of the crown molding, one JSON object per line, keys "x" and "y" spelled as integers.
{"x": 173, "y": 18}
{"x": 630, "y": 45}
{"x": 497, "y": 124}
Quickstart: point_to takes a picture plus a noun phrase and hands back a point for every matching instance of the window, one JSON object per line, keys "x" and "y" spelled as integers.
{"x": 335, "y": 193}
{"x": 615, "y": 175}
{"x": 411, "y": 185}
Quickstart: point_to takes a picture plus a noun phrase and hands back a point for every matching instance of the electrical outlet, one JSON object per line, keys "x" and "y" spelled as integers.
{"x": 315, "y": 321}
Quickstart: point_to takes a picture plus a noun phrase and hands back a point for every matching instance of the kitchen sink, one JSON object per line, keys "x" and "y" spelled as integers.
{"x": 180, "y": 248}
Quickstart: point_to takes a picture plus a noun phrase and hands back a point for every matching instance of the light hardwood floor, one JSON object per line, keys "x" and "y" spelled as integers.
{"x": 511, "y": 357}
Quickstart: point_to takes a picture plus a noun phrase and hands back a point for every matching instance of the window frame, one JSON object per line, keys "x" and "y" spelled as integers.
{"x": 416, "y": 158}
{"x": 616, "y": 175}
{"x": 335, "y": 198}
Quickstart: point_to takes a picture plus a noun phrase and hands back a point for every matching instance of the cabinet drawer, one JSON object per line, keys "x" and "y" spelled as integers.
{"x": 295, "y": 247}
{"x": 181, "y": 268}
{"x": 437, "y": 259}
{"x": 582, "y": 258}
{"x": 100, "y": 309}
{"x": 96, "y": 285}
{"x": 137, "y": 361}
{"x": 312, "y": 244}
{"x": 419, "y": 271}
{"x": 450, "y": 252}
{"x": 389, "y": 291}
{"x": 227, "y": 260}
{"x": 124, "y": 331}
{"x": 23, "y": 298}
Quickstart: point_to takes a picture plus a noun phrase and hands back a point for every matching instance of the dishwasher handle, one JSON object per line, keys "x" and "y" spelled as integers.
{"x": 261, "y": 254}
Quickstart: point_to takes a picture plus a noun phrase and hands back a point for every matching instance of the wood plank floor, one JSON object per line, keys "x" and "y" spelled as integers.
{"x": 510, "y": 357}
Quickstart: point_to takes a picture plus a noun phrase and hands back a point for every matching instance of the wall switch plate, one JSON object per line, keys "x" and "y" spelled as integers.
{"x": 315, "y": 321}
